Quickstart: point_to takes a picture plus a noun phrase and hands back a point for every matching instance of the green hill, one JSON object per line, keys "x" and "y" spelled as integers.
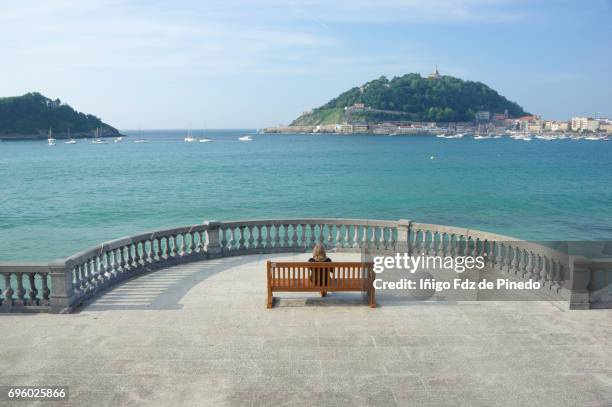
{"x": 32, "y": 115}
{"x": 412, "y": 97}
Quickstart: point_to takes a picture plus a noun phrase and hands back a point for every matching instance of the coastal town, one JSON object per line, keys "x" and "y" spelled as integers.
{"x": 485, "y": 125}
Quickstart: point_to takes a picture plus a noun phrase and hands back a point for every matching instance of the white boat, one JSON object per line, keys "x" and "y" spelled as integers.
{"x": 118, "y": 139}
{"x": 482, "y": 137}
{"x": 245, "y": 138}
{"x": 97, "y": 139}
{"x": 70, "y": 139}
{"x": 50, "y": 139}
{"x": 458, "y": 135}
{"x": 592, "y": 138}
{"x": 392, "y": 134}
{"x": 189, "y": 138}
{"x": 441, "y": 135}
{"x": 140, "y": 140}
{"x": 205, "y": 140}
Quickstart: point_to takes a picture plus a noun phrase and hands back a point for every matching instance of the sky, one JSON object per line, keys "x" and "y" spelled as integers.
{"x": 156, "y": 64}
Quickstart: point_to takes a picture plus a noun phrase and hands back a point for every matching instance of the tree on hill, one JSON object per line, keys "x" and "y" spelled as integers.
{"x": 440, "y": 99}
{"x": 34, "y": 113}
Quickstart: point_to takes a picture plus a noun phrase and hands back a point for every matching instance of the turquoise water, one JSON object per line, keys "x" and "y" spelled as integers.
{"x": 57, "y": 200}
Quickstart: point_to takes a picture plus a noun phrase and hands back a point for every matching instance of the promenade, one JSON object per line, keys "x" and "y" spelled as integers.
{"x": 199, "y": 334}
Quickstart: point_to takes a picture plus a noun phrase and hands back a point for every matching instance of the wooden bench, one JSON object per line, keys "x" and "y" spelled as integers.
{"x": 320, "y": 277}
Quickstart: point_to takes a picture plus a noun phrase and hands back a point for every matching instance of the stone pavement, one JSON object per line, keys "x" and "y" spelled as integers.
{"x": 200, "y": 335}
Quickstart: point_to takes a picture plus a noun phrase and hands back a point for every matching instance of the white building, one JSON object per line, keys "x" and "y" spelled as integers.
{"x": 584, "y": 124}
{"x": 482, "y": 116}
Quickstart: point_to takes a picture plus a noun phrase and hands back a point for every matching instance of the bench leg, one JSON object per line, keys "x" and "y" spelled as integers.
{"x": 323, "y": 293}
{"x": 372, "y": 298}
{"x": 270, "y": 299}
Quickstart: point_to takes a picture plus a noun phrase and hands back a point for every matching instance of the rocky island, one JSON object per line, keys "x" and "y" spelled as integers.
{"x": 32, "y": 115}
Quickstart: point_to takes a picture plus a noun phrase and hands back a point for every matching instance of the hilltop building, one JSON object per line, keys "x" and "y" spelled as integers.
{"x": 435, "y": 74}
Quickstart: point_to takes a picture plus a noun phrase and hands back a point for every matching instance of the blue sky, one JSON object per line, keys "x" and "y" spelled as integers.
{"x": 237, "y": 63}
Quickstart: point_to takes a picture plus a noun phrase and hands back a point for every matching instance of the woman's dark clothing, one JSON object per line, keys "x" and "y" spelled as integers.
{"x": 320, "y": 276}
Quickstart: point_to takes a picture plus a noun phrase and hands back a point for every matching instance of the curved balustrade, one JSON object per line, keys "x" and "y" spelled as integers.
{"x": 503, "y": 254}
{"x": 80, "y": 276}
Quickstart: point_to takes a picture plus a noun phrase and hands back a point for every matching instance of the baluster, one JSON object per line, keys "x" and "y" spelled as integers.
{"x": 514, "y": 260}
{"x": 364, "y": 237}
{"x": 414, "y": 244}
{"x": 191, "y": 247}
{"x": 150, "y": 251}
{"x": 106, "y": 266}
{"x": 259, "y": 240}
{"x": 251, "y": 240}
{"x": 286, "y": 239}
{"x": 532, "y": 266}
{"x": 520, "y": 264}
{"x": 355, "y": 236}
{"x": 20, "y": 290}
{"x": 93, "y": 277}
{"x": 346, "y": 238}
{"x": 196, "y": 242}
{"x": 313, "y": 235}
{"x": 268, "y": 239}
{"x": 87, "y": 275}
{"x": 330, "y": 236}
{"x": 277, "y": 236}
{"x": 45, "y": 288}
{"x": 113, "y": 273}
{"x": 8, "y": 290}
{"x": 294, "y": 235}
{"x": 545, "y": 271}
{"x": 374, "y": 240}
{"x": 241, "y": 241}
{"x": 339, "y": 236}
{"x": 101, "y": 270}
{"x": 78, "y": 276}
{"x": 32, "y": 291}
{"x": 174, "y": 240}
{"x": 557, "y": 273}
{"x": 321, "y": 237}
{"x": 223, "y": 239}
{"x": 232, "y": 239}
{"x": 498, "y": 252}
{"x": 137, "y": 256}
{"x": 540, "y": 272}
{"x": 427, "y": 236}
{"x": 119, "y": 260}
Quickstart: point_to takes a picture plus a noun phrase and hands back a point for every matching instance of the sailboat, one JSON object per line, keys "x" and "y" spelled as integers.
{"x": 97, "y": 139}
{"x": 70, "y": 139}
{"x": 189, "y": 138}
{"x": 50, "y": 139}
{"x": 204, "y": 139}
{"x": 119, "y": 139}
{"x": 245, "y": 138}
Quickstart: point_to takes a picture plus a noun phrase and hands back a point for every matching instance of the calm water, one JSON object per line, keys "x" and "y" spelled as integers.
{"x": 57, "y": 200}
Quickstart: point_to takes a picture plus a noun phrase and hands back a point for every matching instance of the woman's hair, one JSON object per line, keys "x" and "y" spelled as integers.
{"x": 318, "y": 253}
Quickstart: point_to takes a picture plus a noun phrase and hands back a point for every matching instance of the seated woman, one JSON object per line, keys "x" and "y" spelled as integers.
{"x": 320, "y": 276}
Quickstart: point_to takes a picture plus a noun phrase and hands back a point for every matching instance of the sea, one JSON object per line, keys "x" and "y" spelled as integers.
{"x": 57, "y": 200}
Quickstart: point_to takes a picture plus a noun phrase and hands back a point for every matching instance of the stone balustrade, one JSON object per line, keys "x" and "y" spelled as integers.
{"x": 25, "y": 286}
{"x": 63, "y": 285}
